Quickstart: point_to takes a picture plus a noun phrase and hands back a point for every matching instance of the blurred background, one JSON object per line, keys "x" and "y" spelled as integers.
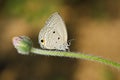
{"x": 93, "y": 24}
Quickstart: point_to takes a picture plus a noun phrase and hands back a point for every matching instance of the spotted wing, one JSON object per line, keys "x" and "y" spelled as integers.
{"x": 54, "y": 33}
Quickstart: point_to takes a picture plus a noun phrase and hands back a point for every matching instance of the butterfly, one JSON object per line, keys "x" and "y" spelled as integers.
{"x": 54, "y": 34}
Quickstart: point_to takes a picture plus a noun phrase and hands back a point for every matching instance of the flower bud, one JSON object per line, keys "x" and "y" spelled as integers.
{"x": 23, "y": 44}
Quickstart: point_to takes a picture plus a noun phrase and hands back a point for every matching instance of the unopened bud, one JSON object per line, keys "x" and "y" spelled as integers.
{"x": 23, "y": 44}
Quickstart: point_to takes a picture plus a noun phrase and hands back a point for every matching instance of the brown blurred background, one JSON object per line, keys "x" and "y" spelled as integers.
{"x": 93, "y": 24}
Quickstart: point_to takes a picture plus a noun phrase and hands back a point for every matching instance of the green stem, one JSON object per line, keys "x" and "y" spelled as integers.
{"x": 75, "y": 55}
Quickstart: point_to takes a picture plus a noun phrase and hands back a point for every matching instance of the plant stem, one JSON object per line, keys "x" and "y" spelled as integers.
{"x": 75, "y": 55}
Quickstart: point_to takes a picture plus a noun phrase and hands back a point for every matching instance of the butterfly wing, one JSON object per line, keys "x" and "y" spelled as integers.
{"x": 56, "y": 21}
{"x": 54, "y": 35}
